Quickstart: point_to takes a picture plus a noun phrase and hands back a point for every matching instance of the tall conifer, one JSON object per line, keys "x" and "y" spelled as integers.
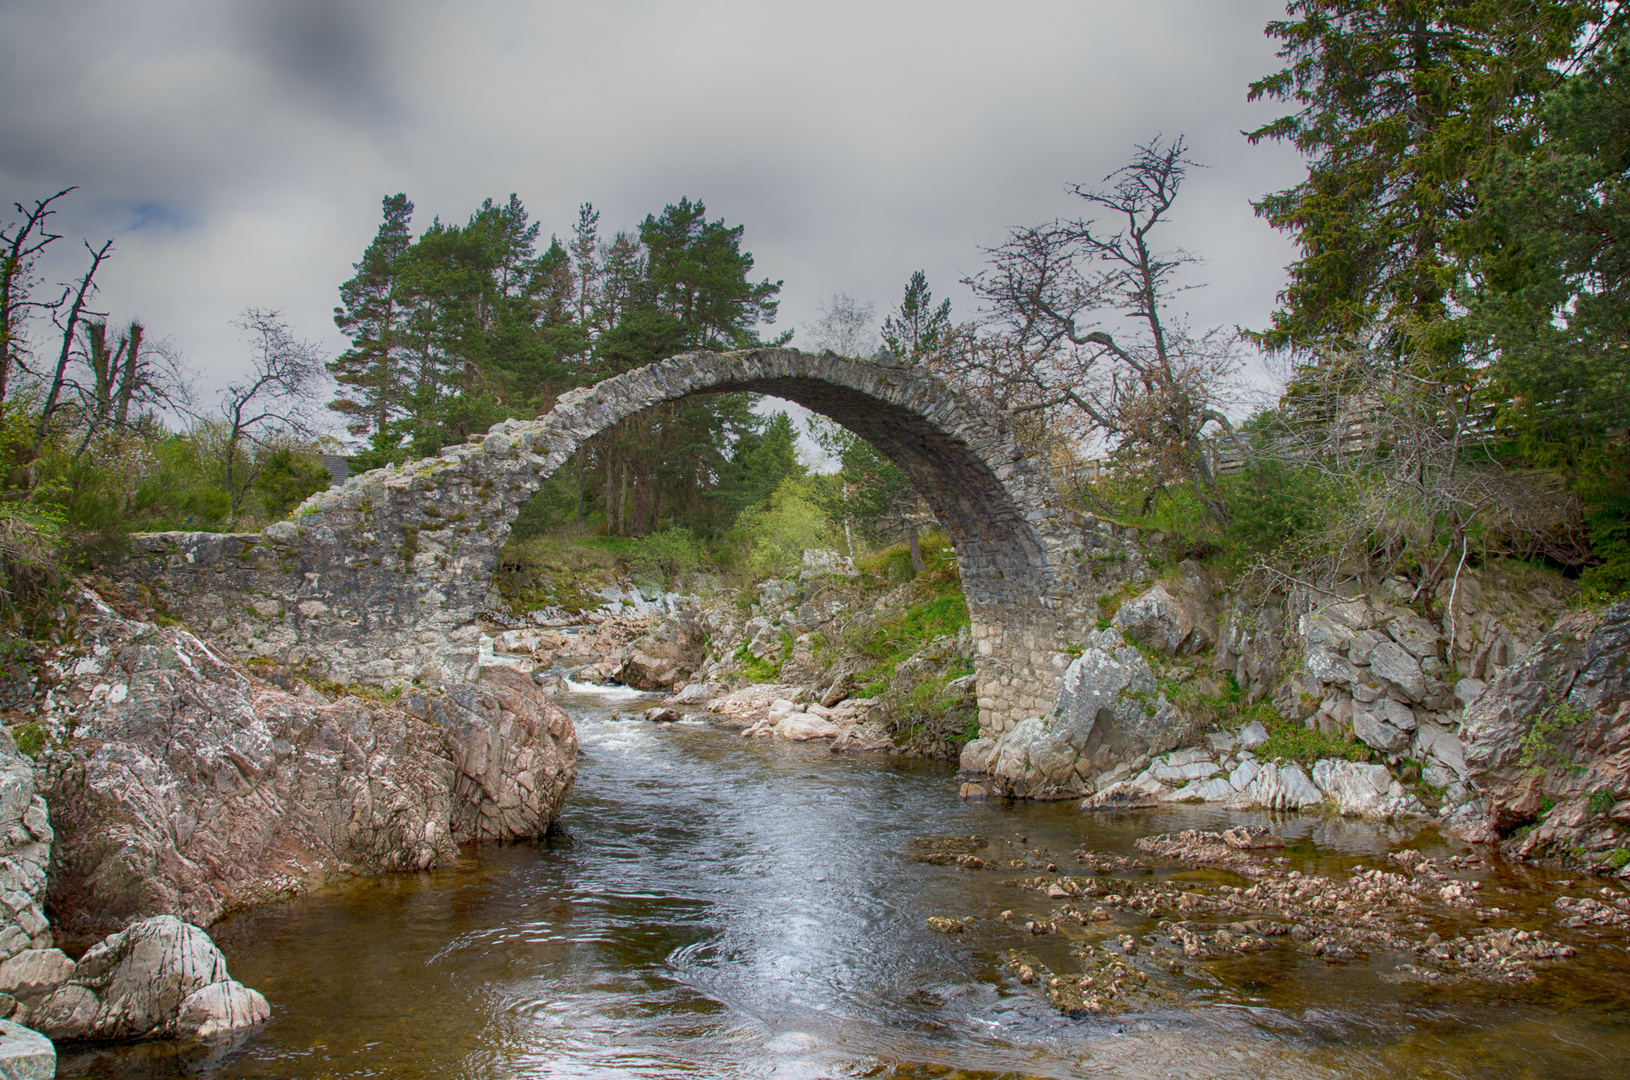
{"x": 371, "y": 314}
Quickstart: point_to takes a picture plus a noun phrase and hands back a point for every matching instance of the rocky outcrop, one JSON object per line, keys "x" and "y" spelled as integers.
{"x": 1548, "y": 743}
{"x": 158, "y": 977}
{"x": 674, "y": 650}
{"x": 1238, "y": 780}
{"x": 1109, "y": 712}
{"x": 25, "y": 850}
{"x": 182, "y": 785}
{"x": 1173, "y": 616}
{"x": 514, "y": 754}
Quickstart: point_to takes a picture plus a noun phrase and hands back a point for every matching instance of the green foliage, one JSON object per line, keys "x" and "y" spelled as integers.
{"x": 1271, "y": 502}
{"x": 869, "y": 492}
{"x": 470, "y": 324}
{"x": 1399, "y": 109}
{"x": 918, "y": 328}
{"x": 760, "y": 462}
{"x": 1553, "y": 303}
{"x": 30, "y": 738}
{"x": 1541, "y": 750}
{"x": 1601, "y": 801}
{"x": 892, "y": 565}
{"x": 770, "y": 542}
{"x": 1295, "y": 741}
{"x": 754, "y": 669}
{"x": 922, "y": 713}
{"x": 336, "y": 690}
{"x": 939, "y": 611}
{"x": 1617, "y": 859}
{"x": 668, "y": 555}
{"x": 284, "y": 480}
{"x": 1210, "y": 709}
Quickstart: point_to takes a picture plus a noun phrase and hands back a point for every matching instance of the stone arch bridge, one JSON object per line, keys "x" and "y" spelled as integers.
{"x": 380, "y": 580}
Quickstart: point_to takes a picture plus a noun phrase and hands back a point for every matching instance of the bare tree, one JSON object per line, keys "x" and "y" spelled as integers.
{"x": 20, "y": 246}
{"x": 133, "y": 372}
{"x": 1152, "y": 393}
{"x": 275, "y": 400}
{"x": 59, "y": 379}
{"x": 844, "y": 327}
{"x": 1413, "y": 481}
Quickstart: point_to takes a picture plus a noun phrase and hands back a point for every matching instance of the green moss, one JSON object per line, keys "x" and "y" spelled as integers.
{"x": 554, "y": 571}
{"x": 30, "y": 738}
{"x": 1618, "y": 858}
{"x": 331, "y": 689}
{"x": 410, "y": 545}
{"x": 1601, "y": 801}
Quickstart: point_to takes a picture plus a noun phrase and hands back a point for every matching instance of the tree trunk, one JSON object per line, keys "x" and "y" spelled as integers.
{"x": 580, "y": 456}
{"x": 127, "y": 380}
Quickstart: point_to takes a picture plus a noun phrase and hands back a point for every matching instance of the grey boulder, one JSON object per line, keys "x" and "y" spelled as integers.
{"x": 25, "y": 1054}
{"x": 1392, "y": 662}
{"x": 157, "y": 978}
{"x": 1108, "y": 711}
{"x": 1173, "y": 618}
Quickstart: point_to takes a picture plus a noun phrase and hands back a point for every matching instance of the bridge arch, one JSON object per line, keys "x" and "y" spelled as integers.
{"x": 380, "y": 580}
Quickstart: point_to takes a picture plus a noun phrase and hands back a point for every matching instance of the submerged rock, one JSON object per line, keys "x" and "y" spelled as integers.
{"x": 158, "y": 977}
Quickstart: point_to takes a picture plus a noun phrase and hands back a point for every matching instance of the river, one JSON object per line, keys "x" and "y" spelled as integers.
{"x": 721, "y": 907}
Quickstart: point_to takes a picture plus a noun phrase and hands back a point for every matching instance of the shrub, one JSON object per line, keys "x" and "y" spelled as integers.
{"x": 670, "y": 554}
{"x": 1295, "y": 741}
{"x": 770, "y": 542}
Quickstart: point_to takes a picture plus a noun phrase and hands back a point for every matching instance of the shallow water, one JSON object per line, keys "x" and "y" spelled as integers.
{"x": 721, "y": 907}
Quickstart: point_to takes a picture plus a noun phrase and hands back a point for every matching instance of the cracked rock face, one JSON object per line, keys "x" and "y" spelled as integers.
{"x": 1108, "y": 712}
{"x": 1555, "y": 727}
{"x": 1175, "y": 618}
{"x": 25, "y": 848}
{"x": 181, "y": 785}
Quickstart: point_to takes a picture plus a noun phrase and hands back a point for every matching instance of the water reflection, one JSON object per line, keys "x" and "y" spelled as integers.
{"x": 721, "y": 907}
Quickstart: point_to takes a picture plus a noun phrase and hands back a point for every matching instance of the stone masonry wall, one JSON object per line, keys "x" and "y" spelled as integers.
{"x": 379, "y": 581}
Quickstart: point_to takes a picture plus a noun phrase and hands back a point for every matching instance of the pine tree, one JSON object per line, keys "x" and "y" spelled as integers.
{"x": 372, "y": 315}
{"x": 1401, "y": 107}
{"x": 692, "y": 291}
{"x": 917, "y": 328}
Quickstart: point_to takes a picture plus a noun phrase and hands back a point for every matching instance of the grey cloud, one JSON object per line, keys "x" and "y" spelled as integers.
{"x": 333, "y": 54}
{"x": 239, "y": 150}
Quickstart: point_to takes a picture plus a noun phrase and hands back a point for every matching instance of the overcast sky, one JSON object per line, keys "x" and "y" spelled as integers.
{"x": 237, "y": 152}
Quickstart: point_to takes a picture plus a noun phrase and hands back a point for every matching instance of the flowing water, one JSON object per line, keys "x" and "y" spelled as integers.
{"x": 721, "y": 907}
